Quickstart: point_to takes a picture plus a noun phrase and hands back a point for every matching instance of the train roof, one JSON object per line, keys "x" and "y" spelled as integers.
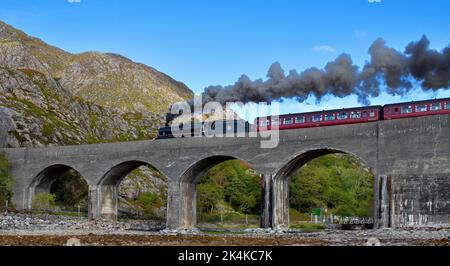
{"x": 331, "y": 111}
{"x": 425, "y": 101}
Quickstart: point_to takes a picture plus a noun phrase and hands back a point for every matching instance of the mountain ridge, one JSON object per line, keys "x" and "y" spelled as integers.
{"x": 120, "y": 100}
{"x": 106, "y": 72}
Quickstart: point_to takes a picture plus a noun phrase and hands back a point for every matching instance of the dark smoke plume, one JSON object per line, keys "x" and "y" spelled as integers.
{"x": 387, "y": 66}
{"x": 387, "y": 69}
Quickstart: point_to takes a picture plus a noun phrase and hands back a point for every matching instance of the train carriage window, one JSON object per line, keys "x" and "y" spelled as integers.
{"x": 342, "y": 116}
{"x": 329, "y": 117}
{"x": 397, "y": 110}
{"x": 317, "y": 118}
{"x": 372, "y": 113}
{"x": 287, "y": 121}
{"x": 421, "y": 108}
{"x": 300, "y": 120}
{"x": 355, "y": 115}
{"x": 275, "y": 122}
{"x": 447, "y": 106}
{"x": 407, "y": 109}
{"x": 364, "y": 114}
{"x": 263, "y": 123}
{"x": 435, "y": 106}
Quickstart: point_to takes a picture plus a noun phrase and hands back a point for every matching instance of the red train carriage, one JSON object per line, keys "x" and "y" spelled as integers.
{"x": 415, "y": 109}
{"x": 347, "y": 116}
{"x": 323, "y": 118}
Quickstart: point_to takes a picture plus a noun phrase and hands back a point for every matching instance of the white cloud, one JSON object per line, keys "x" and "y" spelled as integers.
{"x": 374, "y": 1}
{"x": 74, "y": 1}
{"x": 324, "y": 48}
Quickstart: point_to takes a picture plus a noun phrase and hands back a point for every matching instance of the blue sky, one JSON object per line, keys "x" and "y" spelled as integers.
{"x": 203, "y": 42}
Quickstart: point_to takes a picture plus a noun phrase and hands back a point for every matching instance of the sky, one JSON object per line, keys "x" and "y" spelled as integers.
{"x": 213, "y": 42}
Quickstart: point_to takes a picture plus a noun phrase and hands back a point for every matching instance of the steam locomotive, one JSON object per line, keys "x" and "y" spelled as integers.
{"x": 330, "y": 118}
{"x": 206, "y": 128}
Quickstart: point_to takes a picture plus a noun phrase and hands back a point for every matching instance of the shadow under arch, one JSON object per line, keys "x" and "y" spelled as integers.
{"x": 188, "y": 188}
{"x": 280, "y": 187}
{"x": 43, "y": 181}
{"x": 117, "y": 173}
{"x": 196, "y": 170}
{"x": 104, "y": 197}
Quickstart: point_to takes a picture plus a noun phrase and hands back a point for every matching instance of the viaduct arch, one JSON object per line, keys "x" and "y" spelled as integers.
{"x": 410, "y": 159}
{"x": 43, "y": 181}
{"x": 280, "y": 186}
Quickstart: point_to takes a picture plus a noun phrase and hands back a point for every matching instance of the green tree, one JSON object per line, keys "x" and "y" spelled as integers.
{"x": 209, "y": 195}
{"x": 235, "y": 183}
{"x": 244, "y": 192}
{"x": 336, "y": 182}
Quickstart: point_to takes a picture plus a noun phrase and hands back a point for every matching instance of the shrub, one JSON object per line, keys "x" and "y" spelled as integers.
{"x": 150, "y": 204}
{"x": 44, "y": 201}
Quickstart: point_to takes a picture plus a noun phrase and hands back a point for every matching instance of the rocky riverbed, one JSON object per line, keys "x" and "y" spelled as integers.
{"x": 47, "y": 222}
{"x": 42, "y": 230}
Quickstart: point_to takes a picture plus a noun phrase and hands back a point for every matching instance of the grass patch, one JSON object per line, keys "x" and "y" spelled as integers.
{"x": 209, "y": 232}
{"x": 47, "y": 130}
{"x": 307, "y": 226}
{"x": 229, "y": 218}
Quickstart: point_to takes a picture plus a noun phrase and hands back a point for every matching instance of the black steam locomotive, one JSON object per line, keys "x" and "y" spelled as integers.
{"x": 229, "y": 127}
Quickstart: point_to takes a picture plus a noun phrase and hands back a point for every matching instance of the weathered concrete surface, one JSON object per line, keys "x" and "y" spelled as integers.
{"x": 397, "y": 152}
{"x": 415, "y": 155}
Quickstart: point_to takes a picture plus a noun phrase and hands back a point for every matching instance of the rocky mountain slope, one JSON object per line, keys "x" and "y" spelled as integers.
{"x": 52, "y": 97}
{"x": 36, "y": 111}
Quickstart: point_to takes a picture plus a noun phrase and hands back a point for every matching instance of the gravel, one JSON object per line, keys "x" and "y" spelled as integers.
{"x": 43, "y": 222}
{"x": 50, "y": 229}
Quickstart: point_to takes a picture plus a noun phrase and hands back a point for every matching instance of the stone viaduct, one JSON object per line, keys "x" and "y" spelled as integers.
{"x": 410, "y": 159}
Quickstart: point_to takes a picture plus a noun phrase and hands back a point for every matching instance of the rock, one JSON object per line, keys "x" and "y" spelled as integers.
{"x": 373, "y": 242}
{"x": 51, "y": 222}
{"x": 73, "y": 242}
{"x": 6, "y": 125}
